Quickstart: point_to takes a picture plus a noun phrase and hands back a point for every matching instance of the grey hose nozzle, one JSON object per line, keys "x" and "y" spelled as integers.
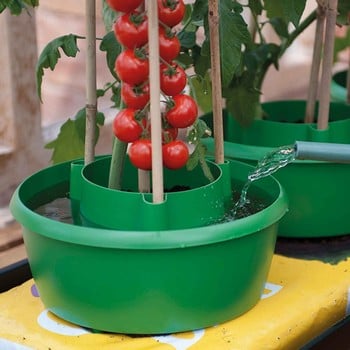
{"x": 331, "y": 152}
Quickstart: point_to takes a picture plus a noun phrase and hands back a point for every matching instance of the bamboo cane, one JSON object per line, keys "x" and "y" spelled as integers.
{"x": 316, "y": 63}
{"x": 155, "y": 115}
{"x": 214, "y": 33}
{"x": 91, "y": 98}
{"x": 331, "y": 16}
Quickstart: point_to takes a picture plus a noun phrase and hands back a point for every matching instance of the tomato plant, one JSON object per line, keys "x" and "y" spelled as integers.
{"x": 124, "y": 5}
{"x": 175, "y": 154}
{"x": 130, "y": 29}
{"x": 140, "y": 154}
{"x": 135, "y": 96}
{"x": 125, "y": 126}
{"x": 171, "y": 12}
{"x": 172, "y": 79}
{"x": 132, "y": 67}
{"x": 183, "y": 111}
{"x": 169, "y": 44}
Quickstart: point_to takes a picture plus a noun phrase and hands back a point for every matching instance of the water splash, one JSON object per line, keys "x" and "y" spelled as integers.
{"x": 269, "y": 164}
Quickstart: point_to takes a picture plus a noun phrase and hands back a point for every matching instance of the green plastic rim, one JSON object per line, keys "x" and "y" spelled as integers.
{"x": 22, "y": 209}
{"x": 101, "y": 206}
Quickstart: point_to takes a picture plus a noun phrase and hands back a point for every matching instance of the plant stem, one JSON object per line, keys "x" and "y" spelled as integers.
{"x": 91, "y": 97}
{"x": 315, "y": 66}
{"x": 331, "y": 17}
{"x": 216, "y": 80}
{"x": 117, "y": 164}
{"x": 302, "y": 26}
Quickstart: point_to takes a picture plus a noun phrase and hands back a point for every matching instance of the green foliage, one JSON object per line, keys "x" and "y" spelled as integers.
{"x": 198, "y": 156}
{"x": 112, "y": 48}
{"x": 71, "y": 139}
{"x": 51, "y": 53}
{"x": 17, "y": 6}
{"x": 343, "y": 12}
{"x": 245, "y": 57}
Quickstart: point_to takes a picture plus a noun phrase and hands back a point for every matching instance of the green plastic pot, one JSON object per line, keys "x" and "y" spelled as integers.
{"x": 147, "y": 282}
{"x": 318, "y": 191}
{"x": 106, "y": 208}
{"x": 338, "y": 87}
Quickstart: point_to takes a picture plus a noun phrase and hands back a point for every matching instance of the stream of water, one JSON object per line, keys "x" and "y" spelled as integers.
{"x": 269, "y": 164}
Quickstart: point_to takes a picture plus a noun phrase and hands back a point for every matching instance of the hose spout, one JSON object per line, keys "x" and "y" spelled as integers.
{"x": 330, "y": 152}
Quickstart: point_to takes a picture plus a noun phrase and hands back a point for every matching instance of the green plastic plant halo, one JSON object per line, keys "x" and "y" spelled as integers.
{"x": 191, "y": 200}
{"x": 318, "y": 191}
{"x": 147, "y": 281}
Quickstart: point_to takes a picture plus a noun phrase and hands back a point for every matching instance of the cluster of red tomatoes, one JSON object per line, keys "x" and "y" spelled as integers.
{"x": 132, "y": 124}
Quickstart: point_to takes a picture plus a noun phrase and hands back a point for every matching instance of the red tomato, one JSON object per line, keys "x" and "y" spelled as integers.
{"x": 131, "y": 29}
{"x": 125, "y": 127}
{"x": 140, "y": 154}
{"x": 132, "y": 66}
{"x": 183, "y": 113}
{"x": 171, "y": 12}
{"x": 169, "y": 45}
{"x": 135, "y": 97}
{"x": 172, "y": 79}
{"x": 175, "y": 154}
{"x": 124, "y": 5}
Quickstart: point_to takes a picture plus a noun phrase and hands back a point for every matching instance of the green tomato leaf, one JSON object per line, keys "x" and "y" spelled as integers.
{"x": 16, "y": 6}
{"x": 51, "y": 53}
{"x": 280, "y": 27}
{"x": 234, "y": 34}
{"x": 202, "y": 92}
{"x": 187, "y": 39}
{"x": 288, "y": 11}
{"x": 243, "y": 103}
{"x": 70, "y": 141}
{"x": 256, "y": 6}
{"x": 109, "y": 16}
{"x": 112, "y": 48}
{"x": 343, "y": 12}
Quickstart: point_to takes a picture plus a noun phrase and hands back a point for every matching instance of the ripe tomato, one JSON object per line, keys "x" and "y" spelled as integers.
{"x": 183, "y": 113}
{"x": 132, "y": 66}
{"x": 169, "y": 45}
{"x": 124, "y": 5}
{"x": 125, "y": 127}
{"x": 175, "y": 154}
{"x": 171, "y": 12}
{"x": 172, "y": 79}
{"x": 130, "y": 29}
{"x": 140, "y": 154}
{"x": 136, "y": 96}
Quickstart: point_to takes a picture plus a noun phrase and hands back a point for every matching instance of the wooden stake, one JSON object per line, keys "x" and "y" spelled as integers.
{"x": 91, "y": 98}
{"x": 315, "y": 66}
{"x": 156, "y": 124}
{"x": 216, "y": 79}
{"x": 323, "y": 113}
